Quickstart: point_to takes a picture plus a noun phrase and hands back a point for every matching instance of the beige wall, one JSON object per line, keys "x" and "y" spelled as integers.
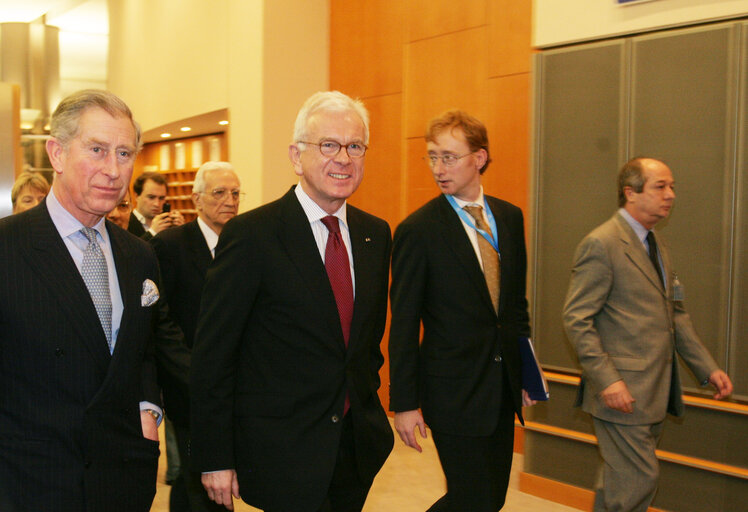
{"x": 559, "y": 22}
{"x": 173, "y": 59}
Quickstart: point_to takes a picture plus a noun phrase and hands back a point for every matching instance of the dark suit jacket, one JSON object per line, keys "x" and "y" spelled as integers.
{"x": 270, "y": 368}
{"x": 455, "y": 374}
{"x": 136, "y": 228}
{"x": 70, "y": 430}
{"x": 626, "y": 326}
{"x": 183, "y": 256}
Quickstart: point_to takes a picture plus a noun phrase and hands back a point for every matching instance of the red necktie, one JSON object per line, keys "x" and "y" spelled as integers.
{"x": 339, "y": 272}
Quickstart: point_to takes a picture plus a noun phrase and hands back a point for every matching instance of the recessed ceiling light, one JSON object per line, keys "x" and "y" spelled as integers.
{"x": 165, "y": 135}
{"x": 223, "y": 123}
{"x": 185, "y": 128}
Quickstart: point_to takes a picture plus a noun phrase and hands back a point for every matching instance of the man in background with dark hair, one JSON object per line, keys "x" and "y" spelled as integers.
{"x": 625, "y": 316}
{"x": 148, "y": 217}
{"x": 459, "y": 267}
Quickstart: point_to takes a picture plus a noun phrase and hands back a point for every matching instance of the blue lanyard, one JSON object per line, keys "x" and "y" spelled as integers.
{"x": 468, "y": 219}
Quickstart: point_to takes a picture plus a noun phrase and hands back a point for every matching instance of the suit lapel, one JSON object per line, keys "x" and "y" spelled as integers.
{"x": 298, "y": 240}
{"x": 637, "y": 253}
{"x": 457, "y": 240}
{"x": 198, "y": 247}
{"x": 127, "y": 285}
{"x": 50, "y": 258}
{"x": 364, "y": 264}
{"x": 505, "y": 249}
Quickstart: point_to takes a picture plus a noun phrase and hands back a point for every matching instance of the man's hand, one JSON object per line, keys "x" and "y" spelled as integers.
{"x": 161, "y": 221}
{"x": 526, "y": 400}
{"x": 617, "y": 396}
{"x": 406, "y": 423}
{"x": 149, "y": 425}
{"x": 722, "y": 384}
{"x": 177, "y": 219}
{"x": 220, "y": 485}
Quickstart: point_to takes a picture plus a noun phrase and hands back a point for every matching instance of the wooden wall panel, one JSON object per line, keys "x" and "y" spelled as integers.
{"x": 445, "y": 72}
{"x": 429, "y": 18}
{"x": 509, "y": 137}
{"x": 419, "y": 182}
{"x": 511, "y": 27}
{"x": 366, "y": 47}
{"x": 379, "y": 192}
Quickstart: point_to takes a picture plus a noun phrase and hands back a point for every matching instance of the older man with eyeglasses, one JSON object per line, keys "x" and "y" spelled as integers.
{"x": 285, "y": 369}
{"x": 184, "y": 254}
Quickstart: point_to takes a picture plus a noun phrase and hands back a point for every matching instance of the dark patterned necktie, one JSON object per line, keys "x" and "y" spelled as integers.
{"x": 339, "y": 272}
{"x": 653, "y": 255}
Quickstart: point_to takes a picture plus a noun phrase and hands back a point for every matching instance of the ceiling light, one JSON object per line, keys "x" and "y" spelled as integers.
{"x": 185, "y": 128}
{"x": 165, "y": 135}
{"x": 223, "y": 123}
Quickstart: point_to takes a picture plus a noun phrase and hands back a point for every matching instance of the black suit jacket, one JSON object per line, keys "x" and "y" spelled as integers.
{"x": 70, "y": 430}
{"x": 455, "y": 374}
{"x": 270, "y": 368}
{"x": 184, "y": 257}
{"x": 137, "y": 229}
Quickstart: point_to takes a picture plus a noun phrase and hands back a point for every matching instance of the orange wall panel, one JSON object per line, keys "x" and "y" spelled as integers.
{"x": 379, "y": 192}
{"x": 366, "y": 47}
{"x": 509, "y": 138}
{"x": 419, "y": 182}
{"x": 511, "y": 29}
{"x": 429, "y": 18}
{"x": 445, "y": 72}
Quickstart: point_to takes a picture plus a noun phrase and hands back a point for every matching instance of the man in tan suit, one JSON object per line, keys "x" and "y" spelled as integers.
{"x": 624, "y": 314}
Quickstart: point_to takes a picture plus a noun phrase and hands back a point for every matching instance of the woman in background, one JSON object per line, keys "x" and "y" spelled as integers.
{"x": 28, "y": 191}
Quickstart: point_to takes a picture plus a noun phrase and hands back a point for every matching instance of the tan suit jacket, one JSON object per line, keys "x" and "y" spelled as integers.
{"x": 625, "y": 325}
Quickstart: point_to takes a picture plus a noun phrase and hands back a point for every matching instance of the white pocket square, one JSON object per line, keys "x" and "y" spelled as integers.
{"x": 150, "y": 293}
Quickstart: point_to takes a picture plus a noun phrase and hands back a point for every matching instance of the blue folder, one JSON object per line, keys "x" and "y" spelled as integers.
{"x": 533, "y": 380}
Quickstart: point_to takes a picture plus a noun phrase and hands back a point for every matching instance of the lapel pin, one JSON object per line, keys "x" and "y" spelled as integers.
{"x": 367, "y": 239}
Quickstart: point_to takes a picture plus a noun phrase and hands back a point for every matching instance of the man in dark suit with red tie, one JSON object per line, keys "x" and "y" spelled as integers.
{"x": 458, "y": 267}
{"x": 285, "y": 365}
{"x": 78, "y": 393}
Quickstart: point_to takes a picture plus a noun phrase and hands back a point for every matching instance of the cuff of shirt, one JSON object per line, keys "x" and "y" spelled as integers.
{"x": 148, "y": 406}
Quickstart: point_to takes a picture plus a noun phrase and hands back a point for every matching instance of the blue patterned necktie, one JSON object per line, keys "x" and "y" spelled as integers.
{"x": 96, "y": 277}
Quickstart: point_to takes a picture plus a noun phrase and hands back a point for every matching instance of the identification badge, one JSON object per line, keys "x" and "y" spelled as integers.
{"x": 679, "y": 294}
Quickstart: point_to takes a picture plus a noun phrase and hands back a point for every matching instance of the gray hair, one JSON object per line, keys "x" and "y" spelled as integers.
{"x": 198, "y": 185}
{"x": 328, "y": 101}
{"x": 64, "y": 124}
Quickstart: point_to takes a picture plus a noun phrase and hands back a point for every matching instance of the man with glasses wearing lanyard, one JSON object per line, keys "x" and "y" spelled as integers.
{"x": 459, "y": 267}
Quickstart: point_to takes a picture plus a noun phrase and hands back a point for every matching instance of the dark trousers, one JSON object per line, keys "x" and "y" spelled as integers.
{"x": 347, "y": 492}
{"x": 188, "y": 493}
{"x": 477, "y": 468}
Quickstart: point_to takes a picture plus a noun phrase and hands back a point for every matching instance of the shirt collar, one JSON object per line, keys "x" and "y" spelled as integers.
{"x": 211, "y": 237}
{"x": 139, "y": 216}
{"x": 313, "y": 211}
{"x": 480, "y": 201}
{"x": 68, "y": 225}
{"x": 641, "y": 231}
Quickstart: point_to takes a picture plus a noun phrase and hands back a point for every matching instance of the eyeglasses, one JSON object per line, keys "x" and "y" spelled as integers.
{"x": 222, "y": 194}
{"x": 124, "y": 206}
{"x": 448, "y": 159}
{"x": 332, "y": 148}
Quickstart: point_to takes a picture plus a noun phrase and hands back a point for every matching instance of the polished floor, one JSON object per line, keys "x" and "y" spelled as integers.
{"x": 408, "y": 482}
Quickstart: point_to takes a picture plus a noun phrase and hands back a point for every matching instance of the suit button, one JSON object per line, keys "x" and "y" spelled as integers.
{"x": 497, "y": 359}
{"x": 59, "y": 352}
{"x": 498, "y": 325}
{"x": 335, "y": 418}
{"x": 87, "y": 464}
